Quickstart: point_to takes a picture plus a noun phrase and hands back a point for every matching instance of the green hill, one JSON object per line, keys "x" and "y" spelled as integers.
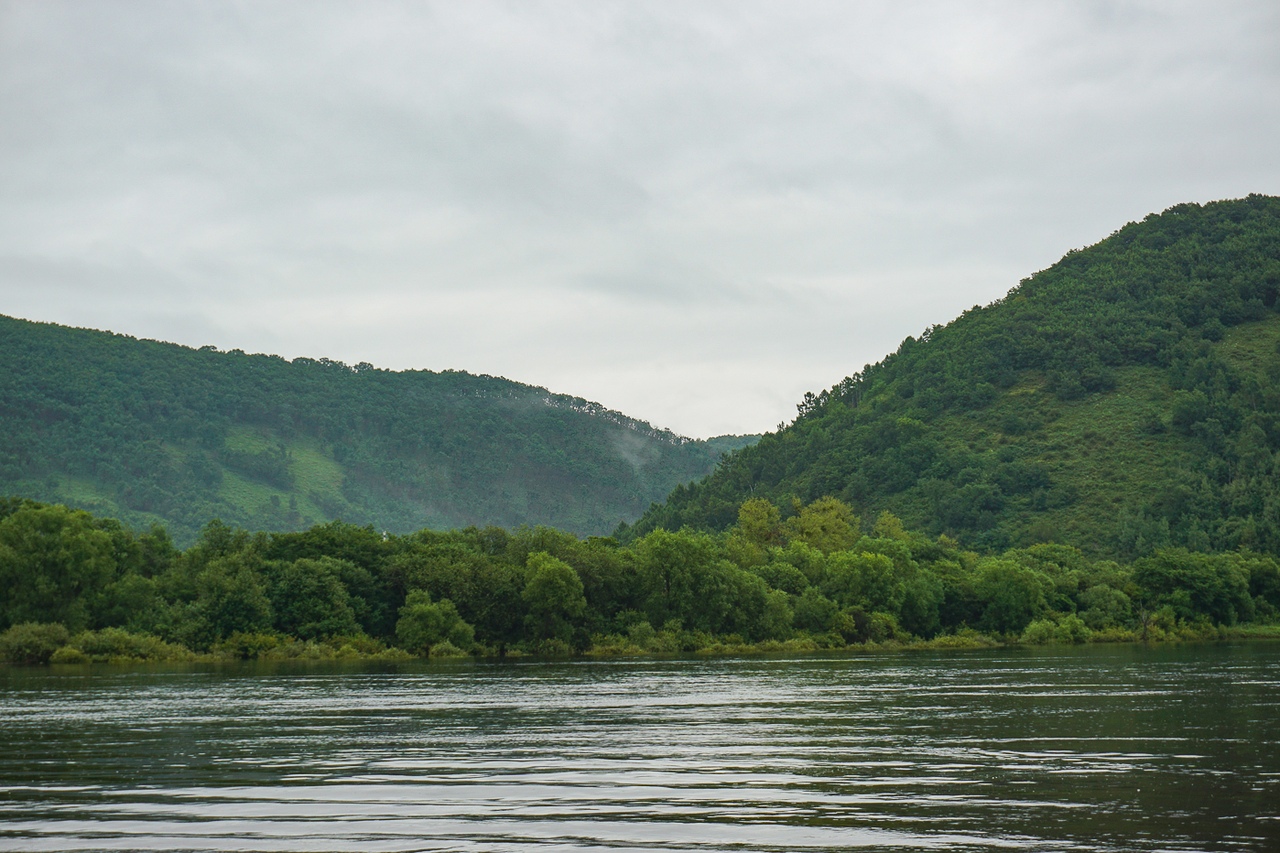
{"x": 1126, "y": 398}
{"x": 154, "y": 432}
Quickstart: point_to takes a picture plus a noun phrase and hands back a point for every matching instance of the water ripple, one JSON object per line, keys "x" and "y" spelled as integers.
{"x": 1099, "y": 749}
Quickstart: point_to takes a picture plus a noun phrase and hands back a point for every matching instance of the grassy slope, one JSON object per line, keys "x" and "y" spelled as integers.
{"x": 1100, "y": 445}
{"x": 1094, "y": 450}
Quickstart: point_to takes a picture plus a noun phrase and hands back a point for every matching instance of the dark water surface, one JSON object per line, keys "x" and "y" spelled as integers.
{"x": 1106, "y": 748}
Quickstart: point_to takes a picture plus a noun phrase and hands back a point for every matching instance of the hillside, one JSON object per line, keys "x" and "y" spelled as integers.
{"x": 153, "y": 432}
{"x": 1124, "y": 399}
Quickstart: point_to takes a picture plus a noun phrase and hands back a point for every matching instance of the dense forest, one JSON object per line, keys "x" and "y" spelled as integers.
{"x": 80, "y": 588}
{"x": 1093, "y": 457}
{"x": 151, "y": 432}
{"x": 1125, "y": 400}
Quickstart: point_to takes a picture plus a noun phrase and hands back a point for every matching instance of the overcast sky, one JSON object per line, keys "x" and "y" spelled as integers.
{"x": 692, "y": 212}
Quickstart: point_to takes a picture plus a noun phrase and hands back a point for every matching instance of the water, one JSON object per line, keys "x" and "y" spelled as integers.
{"x": 1111, "y": 748}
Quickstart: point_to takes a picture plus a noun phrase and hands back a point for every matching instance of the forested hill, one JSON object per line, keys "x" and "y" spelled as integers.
{"x": 1126, "y": 398}
{"x": 155, "y": 432}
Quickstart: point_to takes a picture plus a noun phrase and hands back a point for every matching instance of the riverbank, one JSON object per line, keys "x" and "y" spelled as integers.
{"x": 45, "y": 644}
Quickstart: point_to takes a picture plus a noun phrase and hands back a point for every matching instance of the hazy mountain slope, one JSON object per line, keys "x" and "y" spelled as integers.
{"x": 1127, "y": 397}
{"x": 148, "y": 431}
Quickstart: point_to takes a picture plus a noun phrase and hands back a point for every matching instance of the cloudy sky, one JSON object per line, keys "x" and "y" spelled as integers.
{"x": 692, "y": 212}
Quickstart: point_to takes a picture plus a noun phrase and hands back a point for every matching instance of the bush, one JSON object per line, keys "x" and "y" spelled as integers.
{"x": 965, "y": 638}
{"x": 248, "y": 645}
{"x": 1071, "y": 629}
{"x": 642, "y": 634}
{"x": 117, "y": 644}
{"x": 1067, "y": 629}
{"x": 551, "y": 647}
{"x": 1114, "y": 635}
{"x": 362, "y": 644}
{"x": 69, "y": 654}
{"x": 612, "y": 645}
{"x": 1039, "y": 633}
{"x": 32, "y": 642}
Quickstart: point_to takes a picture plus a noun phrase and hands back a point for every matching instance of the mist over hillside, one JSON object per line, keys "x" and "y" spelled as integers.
{"x": 154, "y": 432}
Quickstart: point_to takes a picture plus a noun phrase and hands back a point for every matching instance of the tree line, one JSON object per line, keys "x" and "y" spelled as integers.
{"x": 78, "y": 587}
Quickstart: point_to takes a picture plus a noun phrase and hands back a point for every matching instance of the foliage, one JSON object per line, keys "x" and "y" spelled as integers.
{"x": 119, "y": 645}
{"x": 51, "y": 558}
{"x": 153, "y": 432}
{"x": 425, "y": 626}
{"x": 309, "y": 598}
{"x": 32, "y": 642}
{"x": 1126, "y": 399}
{"x": 553, "y": 597}
{"x": 233, "y": 594}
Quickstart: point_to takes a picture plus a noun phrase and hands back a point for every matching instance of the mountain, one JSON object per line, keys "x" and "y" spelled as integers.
{"x": 1126, "y": 398}
{"x": 154, "y": 432}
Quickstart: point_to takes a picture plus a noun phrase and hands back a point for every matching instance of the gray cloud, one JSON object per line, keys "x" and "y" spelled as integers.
{"x": 690, "y": 212}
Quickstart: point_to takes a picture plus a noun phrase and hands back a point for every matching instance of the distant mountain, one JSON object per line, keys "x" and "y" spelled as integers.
{"x": 155, "y": 432}
{"x": 1127, "y": 397}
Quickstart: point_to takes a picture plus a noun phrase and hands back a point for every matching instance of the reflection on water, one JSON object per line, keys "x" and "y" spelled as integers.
{"x": 1119, "y": 748}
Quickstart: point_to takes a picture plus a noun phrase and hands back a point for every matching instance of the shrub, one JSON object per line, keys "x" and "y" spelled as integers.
{"x": 117, "y": 644}
{"x": 69, "y": 654}
{"x": 248, "y": 645}
{"x": 642, "y": 634}
{"x": 32, "y": 642}
{"x": 965, "y": 638}
{"x": 1071, "y": 629}
{"x": 1038, "y": 633}
{"x": 551, "y": 647}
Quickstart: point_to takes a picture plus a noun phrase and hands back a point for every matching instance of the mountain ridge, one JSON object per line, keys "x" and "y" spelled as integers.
{"x": 152, "y": 431}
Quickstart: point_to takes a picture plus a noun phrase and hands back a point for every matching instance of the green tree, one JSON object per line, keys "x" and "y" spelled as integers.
{"x": 920, "y": 609}
{"x": 1196, "y": 584}
{"x": 746, "y": 606}
{"x": 485, "y": 588}
{"x": 865, "y": 580}
{"x": 423, "y": 624}
{"x": 53, "y": 564}
{"x": 1103, "y": 606}
{"x": 310, "y": 600}
{"x": 669, "y": 565}
{"x": 783, "y": 576}
{"x": 760, "y": 522}
{"x": 231, "y": 596}
{"x": 553, "y": 596}
{"x": 1012, "y": 595}
{"x": 889, "y": 526}
{"x": 827, "y": 524}
{"x": 133, "y": 602}
{"x": 815, "y": 613}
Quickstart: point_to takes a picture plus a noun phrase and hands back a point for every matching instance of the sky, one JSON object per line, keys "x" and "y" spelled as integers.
{"x": 691, "y": 212}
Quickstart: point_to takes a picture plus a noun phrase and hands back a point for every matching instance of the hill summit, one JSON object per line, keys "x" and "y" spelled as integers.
{"x": 1124, "y": 399}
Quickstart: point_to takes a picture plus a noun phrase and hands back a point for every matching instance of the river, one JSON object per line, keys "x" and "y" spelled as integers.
{"x": 1169, "y": 748}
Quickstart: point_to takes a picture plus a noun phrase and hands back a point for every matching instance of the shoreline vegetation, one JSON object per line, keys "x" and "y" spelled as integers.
{"x": 115, "y": 646}
{"x": 783, "y": 580}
